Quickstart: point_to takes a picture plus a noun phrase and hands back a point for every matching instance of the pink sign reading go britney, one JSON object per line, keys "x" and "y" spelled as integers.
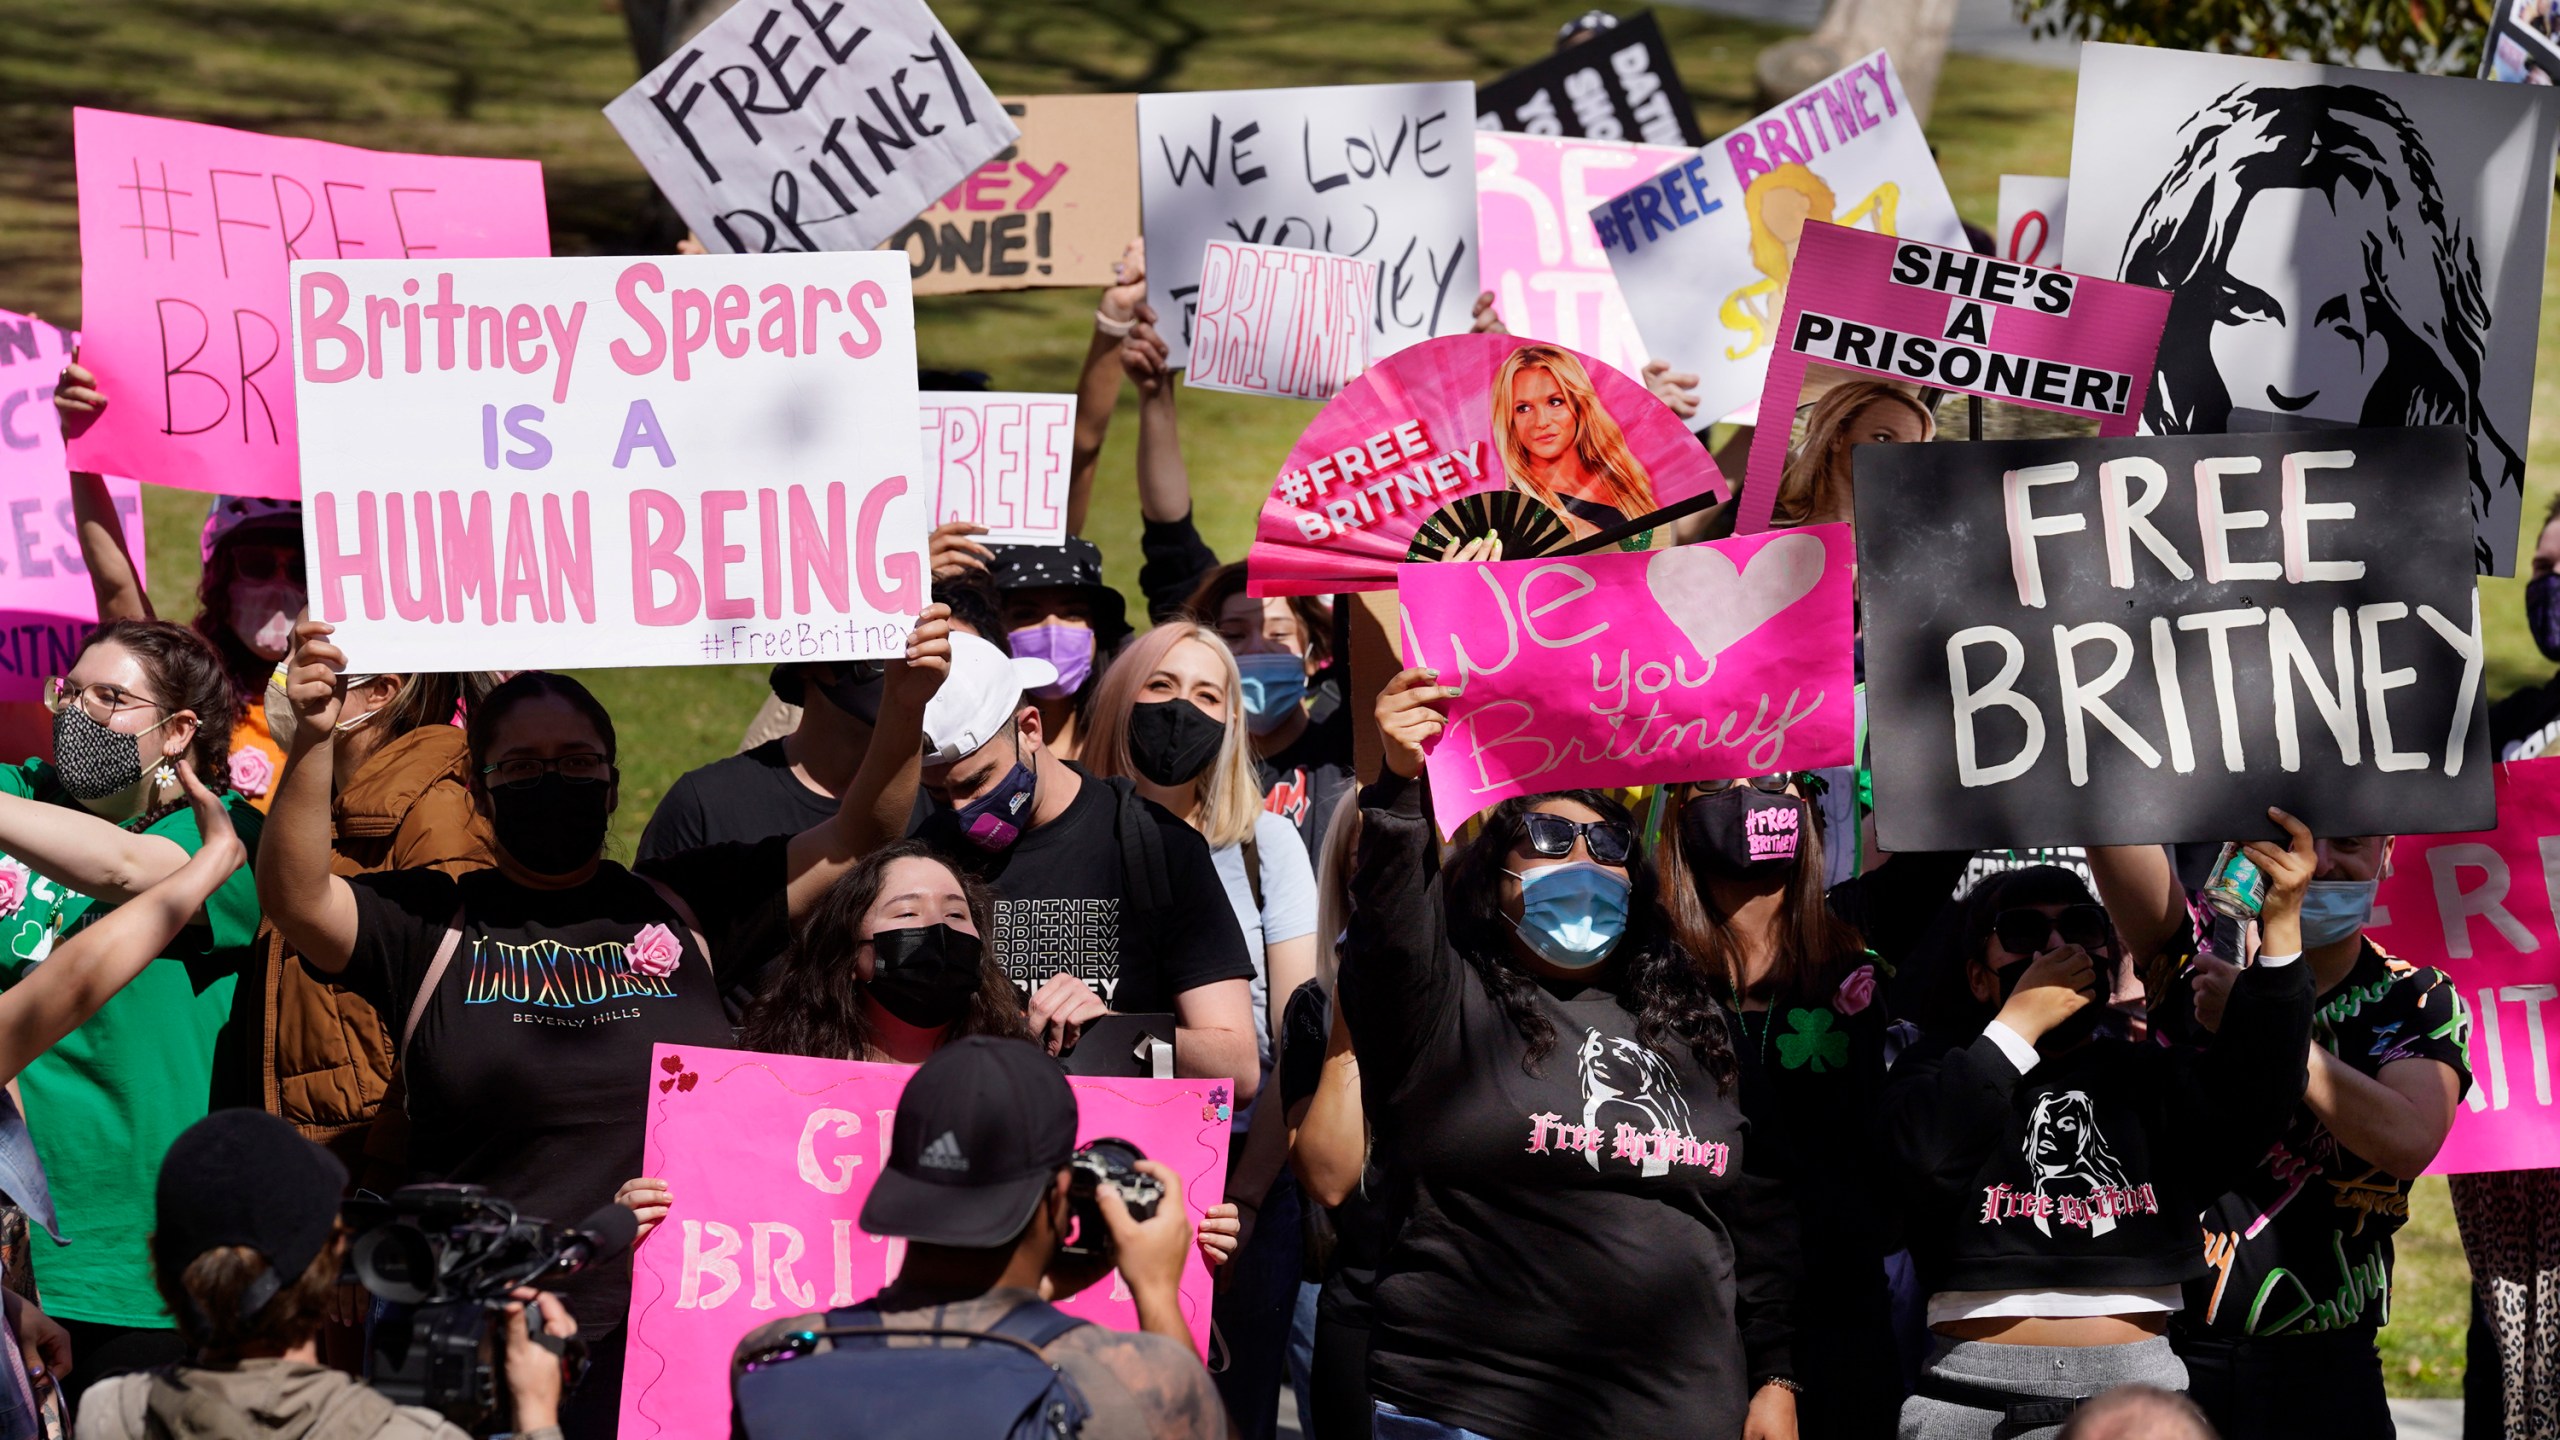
{"x": 2485, "y": 909}
{"x": 769, "y": 1158}
{"x": 1714, "y": 661}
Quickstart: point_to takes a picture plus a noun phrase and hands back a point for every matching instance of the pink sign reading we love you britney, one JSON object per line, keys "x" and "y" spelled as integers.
{"x": 186, "y": 231}
{"x": 1714, "y": 661}
{"x": 769, "y": 1158}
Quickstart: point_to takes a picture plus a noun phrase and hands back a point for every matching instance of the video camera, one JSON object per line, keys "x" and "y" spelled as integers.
{"x": 453, "y": 1254}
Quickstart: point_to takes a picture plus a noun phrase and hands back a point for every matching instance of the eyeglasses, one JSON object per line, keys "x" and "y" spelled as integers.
{"x": 583, "y": 767}
{"x": 266, "y": 562}
{"x": 1765, "y": 784}
{"x": 2024, "y": 932}
{"x": 1553, "y": 835}
{"x": 101, "y": 701}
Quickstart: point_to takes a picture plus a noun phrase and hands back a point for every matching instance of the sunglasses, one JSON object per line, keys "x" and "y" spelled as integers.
{"x": 266, "y": 562}
{"x": 1553, "y": 835}
{"x": 1765, "y": 784}
{"x": 2024, "y": 932}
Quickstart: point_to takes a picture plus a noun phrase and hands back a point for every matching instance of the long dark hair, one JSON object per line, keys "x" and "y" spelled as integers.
{"x": 812, "y": 1003}
{"x": 1952, "y": 1009}
{"x": 187, "y": 675}
{"x": 1816, "y": 949}
{"x": 1656, "y": 981}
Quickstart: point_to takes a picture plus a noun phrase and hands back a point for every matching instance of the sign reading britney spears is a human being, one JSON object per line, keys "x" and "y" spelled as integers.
{"x": 609, "y": 461}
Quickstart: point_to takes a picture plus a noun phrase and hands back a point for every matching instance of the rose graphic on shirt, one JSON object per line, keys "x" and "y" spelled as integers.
{"x": 251, "y": 771}
{"x": 1811, "y": 1040}
{"x": 13, "y": 886}
{"x": 653, "y": 952}
{"x": 1857, "y": 992}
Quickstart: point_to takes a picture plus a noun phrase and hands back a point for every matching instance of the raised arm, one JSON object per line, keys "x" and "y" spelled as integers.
{"x": 1329, "y": 1138}
{"x": 1098, "y": 387}
{"x": 1164, "y": 481}
{"x": 2241, "y": 1094}
{"x": 84, "y": 852}
{"x": 314, "y": 910}
{"x": 118, "y": 585}
{"x": 2140, "y": 891}
{"x": 876, "y": 806}
{"x": 1398, "y": 971}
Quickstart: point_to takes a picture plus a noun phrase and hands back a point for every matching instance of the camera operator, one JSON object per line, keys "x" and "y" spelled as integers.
{"x": 246, "y": 1252}
{"x": 978, "y": 1185}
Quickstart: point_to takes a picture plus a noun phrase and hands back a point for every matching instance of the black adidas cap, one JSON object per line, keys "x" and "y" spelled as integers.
{"x": 983, "y": 1128}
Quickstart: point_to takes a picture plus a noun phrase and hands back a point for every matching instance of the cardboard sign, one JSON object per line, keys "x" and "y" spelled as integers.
{"x": 1290, "y": 323}
{"x": 1714, "y": 661}
{"x": 770, "y": 1158}
{"x": 1620, "y": 84}
{"x": 1001, "y": 461}
{"x": 694, "y": 460}
{"x": 2329, "y": 206}
{"x": 2481, "y": 908}
{"x": 1381, "y": 173}
{"x": 185, "y": 234}
{"x": 1542, "y": 260}
{"x": 47, "y": 606}
{"x": 2144, "y": 640}
{"x": 786, "y": 127}
{"x": 1704, "y": 249}
{"x": 1464, "y": 437}
{"x": 2031, "y": 211}
{"x": 1054, "y": 208}
{"x": 1953, "y": 320}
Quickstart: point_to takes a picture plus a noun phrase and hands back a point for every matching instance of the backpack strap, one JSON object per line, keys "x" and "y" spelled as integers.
{"x": 1036, "y": 1323}
{"x": 1147, "y": 877}
{"x": 435, "y": 975}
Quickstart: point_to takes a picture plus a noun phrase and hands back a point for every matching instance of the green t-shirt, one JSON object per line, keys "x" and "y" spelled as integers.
{"x": 105, "y": 1104}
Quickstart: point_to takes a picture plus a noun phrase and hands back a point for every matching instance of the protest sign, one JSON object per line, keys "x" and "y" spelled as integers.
{"x": 695, "y": 460}
{"x": 785, "y": 127}
{"x": 2524, "y": 43}
{"x": 1953, "y": 320}
{"x": 1541, "y": 259}
{"x": 1000, "y": 460}
{"x": 1620, "y": 84}
{"x": 47, "y": 606}
{"x": 2031, "y": 211}
{"x": 185, "y": 234}
{"x": 1380, "y": 173}
{"x": 2485, "y": 909}
{"x": 1720, "y": 660}
{"x": 2329, "y": 206}
{"x": 1290, "y": 323}
{"x": 1408, "y": 463}
{"x": 1054, "y": 208}
{"x": 1704, "y": 249}
{"x": 770, "y": 1157}
{"x": 2153, "y": 639}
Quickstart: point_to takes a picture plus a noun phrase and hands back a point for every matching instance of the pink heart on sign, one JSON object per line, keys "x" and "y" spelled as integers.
{"x": 1715, "y": 605}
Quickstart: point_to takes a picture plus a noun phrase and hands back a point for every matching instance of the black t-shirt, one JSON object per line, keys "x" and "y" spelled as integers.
{"x": 530, "y": 1067}
{"x": 2324, "y": 1263}
{"x": 1062, "y": 905}
{"x": 734, "y": 800}
{"x": 1303, "y": 782}
{"x": 2525, "y": 724}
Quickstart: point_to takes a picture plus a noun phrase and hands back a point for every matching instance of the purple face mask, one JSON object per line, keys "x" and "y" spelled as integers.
{"x": 996, "y": 819}
{"x": 1069, "y": 647}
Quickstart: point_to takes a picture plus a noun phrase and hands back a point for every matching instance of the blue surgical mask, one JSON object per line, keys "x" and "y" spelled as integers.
{"x": 1274, "y": 683}
{"x": 1573, "y": 914}
{"x": 2334, "y": 910}
{"x": 996, "y": 819}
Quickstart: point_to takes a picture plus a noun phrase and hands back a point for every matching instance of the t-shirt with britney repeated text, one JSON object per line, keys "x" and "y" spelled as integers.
{"x": 530, "y": 1068}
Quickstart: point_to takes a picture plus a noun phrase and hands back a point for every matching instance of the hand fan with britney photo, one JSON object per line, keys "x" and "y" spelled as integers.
{"x": 1408, "y": 463}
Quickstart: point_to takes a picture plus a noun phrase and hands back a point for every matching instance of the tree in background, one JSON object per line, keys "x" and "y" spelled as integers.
{"x": 2438, "y": 36}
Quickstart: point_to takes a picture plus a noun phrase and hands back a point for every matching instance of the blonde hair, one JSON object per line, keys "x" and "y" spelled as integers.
{"x": 1597, "y": 439}
{"x": 1808, "y": 478}
{"x": 1769, "y": 253}
{"x": 1230, "y": 789}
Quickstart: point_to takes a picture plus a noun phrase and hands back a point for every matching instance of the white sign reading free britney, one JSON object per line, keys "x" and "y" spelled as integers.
{"x": 690, "y": 460}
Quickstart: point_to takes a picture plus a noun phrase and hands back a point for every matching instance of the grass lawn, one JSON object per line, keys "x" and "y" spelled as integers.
{"x": 527, "y": 78}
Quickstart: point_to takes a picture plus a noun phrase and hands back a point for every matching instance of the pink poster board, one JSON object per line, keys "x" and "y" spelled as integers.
{"x": 1930, "y": 316}
{"x": 185, "y": 234}
{"x": 769, "y": 1158}
{"x": 1715, "y": 661}
{"x": 2481, "y": 908}
{"x": 46, "y": 603}
{"x": 1407, "y": 461}
{"x": 1541, "y": 258}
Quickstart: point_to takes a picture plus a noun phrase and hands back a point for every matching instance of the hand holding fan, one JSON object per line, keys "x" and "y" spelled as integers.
{"x": 1461, "y": 437}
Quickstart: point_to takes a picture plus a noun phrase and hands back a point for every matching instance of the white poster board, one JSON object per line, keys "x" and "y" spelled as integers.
{"x": 1287, "y": 323}
{"x": 1382, "y": 173}
{"x": 531, "y": 464}
{"x": 2377, "y": 237}
{"x": 1000, "y": 460}
{"x": 790, "y": 126}
{"x": 1703, "y": 250}
{"x": 2031, "y": 212}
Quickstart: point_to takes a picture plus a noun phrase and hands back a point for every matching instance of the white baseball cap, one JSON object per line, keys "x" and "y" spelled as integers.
{"x": 979, "y": 698}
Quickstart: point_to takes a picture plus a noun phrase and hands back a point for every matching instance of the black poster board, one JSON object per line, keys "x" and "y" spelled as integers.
{"x": 2040, "y": 673}
{"x": 1618, "y": 85}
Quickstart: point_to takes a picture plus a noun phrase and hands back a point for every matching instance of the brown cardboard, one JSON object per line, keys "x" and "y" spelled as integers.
{"x": 1071, "y": 234}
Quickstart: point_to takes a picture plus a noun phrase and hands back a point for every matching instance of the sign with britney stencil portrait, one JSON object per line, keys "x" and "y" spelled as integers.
{"x": 1465, "y": 439}
{"x": 768, "y": 1159}
{"x": 1715, "y": 661}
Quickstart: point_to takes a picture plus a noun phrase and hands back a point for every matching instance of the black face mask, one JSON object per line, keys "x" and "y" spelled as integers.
{"x": 1743, "y": 832}
{"x": 553, "y": 825}
{"x": 857, "y": 688}
{"x": 2542, "y": 613}
{"x": 1172, "y": 741}
{"x": 925, "y": 976}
